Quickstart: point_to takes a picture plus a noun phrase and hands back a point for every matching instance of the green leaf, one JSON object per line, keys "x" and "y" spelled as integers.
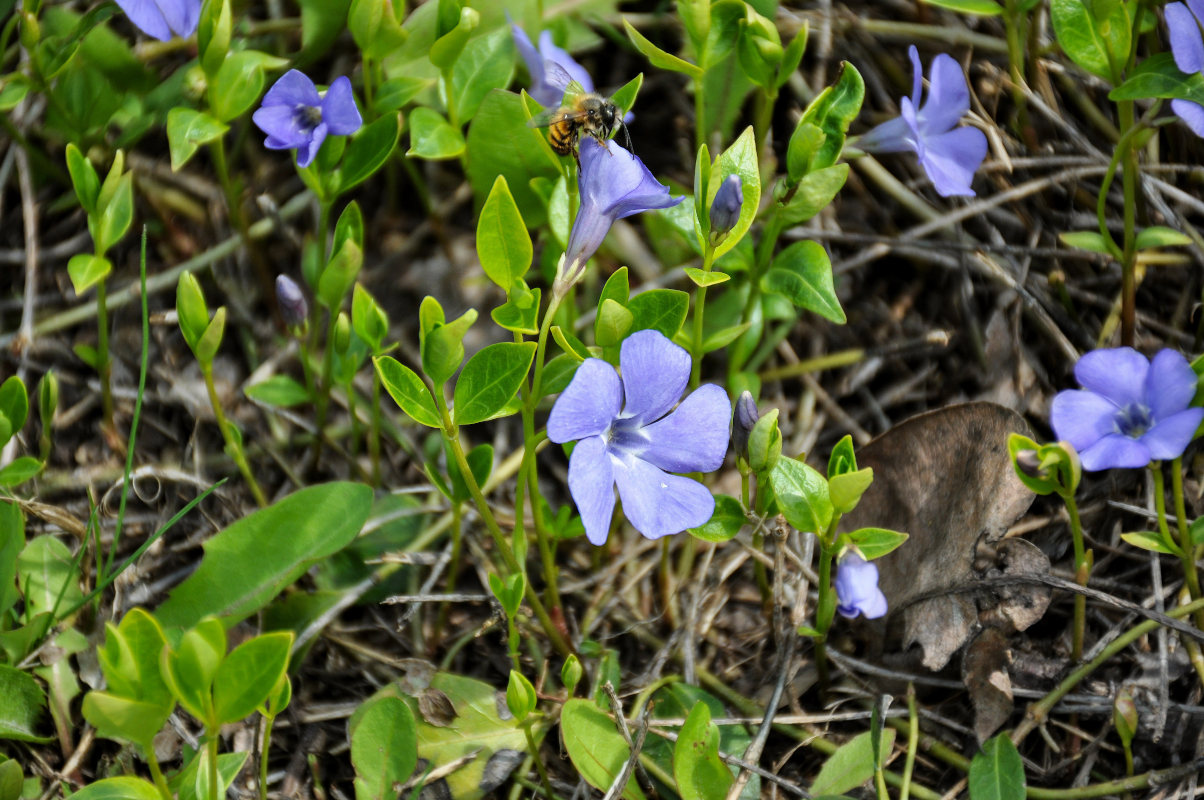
{"x": 83, "y": 178}
{"x": 846, "y": 489}
{"x": 1151, "y": 540}
{"x": 279, "y": 391}
{"x": 558, "y": 373}
{"x": 187, "y": 130}
{"x": 617, "y": 288}
{"x": 739, "y": 159}
{"x": 520, "y": 696}
{"x": 321, "y": 23}
{"x": 239, "y": 83}
{"x": 368, "y": 319}
{"x": 124, "y": 719}
{"x": 612, "y": 323}
{"x": 1160, "y": 236}
{"x": 843, "y": 459}
{"x": 659, "y": 58}
{"x": 192, "y": 782}
{"x": 725, "y": 522}
{"x": 408, "y": 391}
{"x": 721, "y": 338}
{"x": 189, "y": 669}
{"x": 661, "y": 310}
{"x": 626, "y": 94}
{"x": 1196, "y": 529}
{"x": 213, "y": 34}
{"x": 340, "y": 274}
{"x": 257, "y": 557}
{"x": 191, "y": 310}
{"x": 876, "y": 542}
{"x": 813, "y": 193}
{"x": 985, "y": 8}
{"x": 117, "y": 215}
{"x": 46, "y": 571}
{"x": 832, "y": 111}
{"x": 11, "y": 780}
{"x": 384, "y": 747}
{"x": 595, "y": 746}
{"x": 1157, "y": 76}
{"x": 12, "y": 542}
{"x": 13, "y": 89}
{"x": 802, "y": 496}
{"x": 19, "y": 470}
{"x": 395, "y": 93}
{"x": 696, "y": 766}
{"x": 851, "y": 765}
{"x": 14, "y": 403}
{"x": 86, "y": 270}
{"x": 490, "y": 379}
{"x": 249, "y": 674}
{"x": 130, "y": 658}
{"x": 802, "y": 273}
{"x": 119, "y": 788}
{"x": 443, "y": 347}
{"x": 520, "y": 312}
{"x": 702, "y": 278}
{"x": 21, "y": 705}
{"x": 503, "y": 244}
{"x": 211, "y": 339}
{"x": 997, "y": 772}
{"x": 1094, "y": 44}
{"x": 433, "y": 137}
{"x": 500, "y": 143}
{"x": 447, "y": 47}
{"x": 1091, "y": 241}
{"x": 485, "y": 64}
{"x": 367, "y": 152}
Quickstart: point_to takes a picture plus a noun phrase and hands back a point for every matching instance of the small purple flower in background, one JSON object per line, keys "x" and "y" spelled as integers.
{"x": 857, "y": 589}
{"x": 551, "y": 68}
{"x": 950, "y": 155}
{"x": 293, "y": 307}
{"x": 627, "y": 436}
{"x": 725, "y": 208}
{"x": 612, "y": 184}
{"x": 1130, "y": 411}
{"x": 295, "y": 116}
{"x": 163, "y": 19}
{"x": 1187, "y": 46}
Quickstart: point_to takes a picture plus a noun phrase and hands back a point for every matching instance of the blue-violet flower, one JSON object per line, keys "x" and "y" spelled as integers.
{"x": 626, "y": 435}
{"x": 1183, "y": 22}
{"x": 857, "y": 589}
{"x": 293, "y": 306}
{"x": 950, "y": 155}
{"x": 295, "y": 116}
{"x": 163, "y": 19}
{"x": 551, "y": 68}
{"x": 725, "y": 208}
{"x": 1130, "y": 410}
{"x": 612, "y": 184}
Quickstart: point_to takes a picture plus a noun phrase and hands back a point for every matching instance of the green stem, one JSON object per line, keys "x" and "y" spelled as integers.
{"x": 1128, "y": 264}
{"x": 533, "y": 749}
{"x": 211, "y": 747}
{"x": 700, "y": 296}
{"x": 156, "y": 772}
{"x": 1187, "y": 556}
{"x": 263, "y": 757}
{"x": 104, "y": 365}
{"x": 913, "y": 741}
{"x": 1013, "y": 20}
{"x": 374, "y": 432}
{"x": 824, "y": 609}
{"x": 232, "y": 445}
{"x": 1082, "y": 569}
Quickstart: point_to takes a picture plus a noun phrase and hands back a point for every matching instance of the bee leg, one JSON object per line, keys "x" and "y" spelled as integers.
{"x": 627, "y": 137}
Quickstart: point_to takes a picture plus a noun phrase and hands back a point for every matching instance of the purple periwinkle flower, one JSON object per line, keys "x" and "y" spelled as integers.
{"x": 1183, "y": 22}
{"x": 163, "y": 19}
{"x": 293, "y": 307}
{"x": 950, "y": 155}
{"x": 627, "y": 436}
{"x": 612, "y": 184}
{"x": 725, "y": 208}
{"x": 1130, "y": 410}
{"x": 743, "y": 421}
{"x": 857, "y": 589}
{"x": 295, "y": 116}
{"x": 551, "y": 68}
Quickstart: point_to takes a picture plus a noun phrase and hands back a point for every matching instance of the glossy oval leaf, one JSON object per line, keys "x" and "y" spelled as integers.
{"x": 490, "y": 379}
{"x": 21, "y": 705}
{"x": 408, "y": 391}
{"x": 384, "y": 747}
{"x": 802, "y": 273}
{"x": 997, "y": 772}
{"x": 851, "y": 765}
{"x": 248, "y": 675}
{"x": 120, "y": 788}
{"x": 595, "y": 746}
{"x": 696, "y": 766}
{"x": 503, "y": 244}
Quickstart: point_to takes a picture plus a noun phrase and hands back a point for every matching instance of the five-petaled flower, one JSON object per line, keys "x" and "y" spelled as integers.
{"x": 613, "y": 184}
{"x": 857, "y": 589}
{"x": 551, "y": 68}
{"x": 1183, "y": 22}
{"x": 1130, "y": 410}
{"x": 626, "y": 435}
{"x": 294, "y": 115}
{"x": 950, "y": 155}
{"x": 163, "y": 19}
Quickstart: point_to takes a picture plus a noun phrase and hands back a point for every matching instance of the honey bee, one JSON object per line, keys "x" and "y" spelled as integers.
{"x": 581, "y": 112}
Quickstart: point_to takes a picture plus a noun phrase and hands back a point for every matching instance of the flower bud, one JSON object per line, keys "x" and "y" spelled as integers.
{"x": 746, "y": 416}
{"x": 1124, "y": 716}
{"x": 1029, "y": 462}
{"x": 342, "y": 333}
{"x": 725, "y": 208}
{"x": 293, "y": 306}
{"x": 570, "y": 674}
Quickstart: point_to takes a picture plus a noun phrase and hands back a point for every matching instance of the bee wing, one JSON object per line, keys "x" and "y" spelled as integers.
{"x": 546, "y": 118}
{"x": 557, "y": 76}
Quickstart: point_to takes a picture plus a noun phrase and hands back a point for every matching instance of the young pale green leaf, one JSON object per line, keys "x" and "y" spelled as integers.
{"x": 368, "y": 319}
{"x": 696, "y": 766}
{"x": 12, "y": 542}
{"x": 612, "y": 323}
{"x": 765, "y": 442}
{"x": 739, "y": 159}
{"x": 876, "y": 542}
{"x": 189, "y": 669}
{"x": 19, "y": 470}
{"x": 125, "y": 719}
{"x": 716, "y": 340}
{"x": 659, "y": 58}
{"x": 116, "y": 216}
{"x": 997, "y": 772}
{"x": 395, "y": 93}
{"x": 802, "y": 496}
{"x": 851, "y": 765}
{"x": 812, "y": 194}
{"x": 11, "y": 780}
{"x": 187, "y": 130}
{"x": 490, "y": 379}
{"x": 384, "y": 747}
{"x": 86, "y": 270}
{"x": 249, "y": 674}
{"x": 83, "y": 178}
{"x": 832, "y": 111}
{"x": 340, "y": 274}
{"x": 191, "y": 310}
{"x": 1160, "y": 236}
{"x": 617, "y": 288}
{"x": 725, "y": 522}
{"x": 367, "y": 152}
{"x": 558, "y": 373}
{"x": 571, "y": 345}
{"x": 843, "y": 458}
{"x": 213, "y": 34}
{"x": 625, "y": 96}
{"x": 982, "y": 8}
{"x": 520, "y": 312}
{"x": 408, "y": 391}
{"x": 661, "y": 310}
{"x": 520, "y": 696}
{"x": 22, "y": 703}
{"x": 1157, "y": 76}
{"x": 349, "y": 228}
{"x": 802, "y": 273}
{"x": 1151, "y": 540}
{"x": 846, "y": 489}
{"x": 250, "y": 562}
{"x": 503, "y": 244}
{"x": 485, "y": 64}
{"x": 1093, "y": 43}
{"x": 696, "y": 19}
{"x": 239, "y": 83}
{"x": 792, "y": 56}
{"x": 48, "y": 576}
{"x": 447, "y": 48}
{"x": 119, "y": 788}
{"x": 432, "y": 137}
{"x": 804, "y": 143}
{"x": 1091, "y": 241}
{"x": 509, "y": 592}
{"x": 130, "y": 658}
{"x": 14, "y": 403}
{"x": 192, "y": 782}
{"x": 595, "y": 745}
{"x": 443, "y": 347}
{"x": 703, "y": 278}
{"x": 279, "y": 391}
{"x": 211, "y": 339}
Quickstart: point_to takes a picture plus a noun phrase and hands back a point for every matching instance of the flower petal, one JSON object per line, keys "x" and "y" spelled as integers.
{"x": 694, "y": 437}
{"x": 592, "y": 485}
{"x": 589, "y": 231}
{"x": 857, "y": 589}
{"x": 1117, "y": 373}
{"x": 293, "y": 89}
{"x": 948, "y": 96}
{"x": 588, "y": 404}
{"x": 148, "y": 18}
{"x": 655, "y": 373}
{"x": 181, "y": 15}
{"x": 1192, "y": 115}
{"x": 339, "y": 111}
{"x": 1169, "y": 385}
{"x": 657, "y": 503}
{"x": 530, "y": 56}
{"x": 917, "y": 74}
{"x": 1115, "y": 451}
{"x": 951, "y": 159}
{"x": 1082, "y": 417}
{"x": 308, "y": 151}
{"x": 1170, "y": 436}
{"x": 892, "y": 136}
{"x": 282, "y": 127}
{"x": 1187, "y": 46}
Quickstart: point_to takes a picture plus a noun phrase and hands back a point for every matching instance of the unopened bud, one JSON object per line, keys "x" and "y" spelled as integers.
{"x": 293, "y": 307}
{"x": 1124, "y": 716}
{"x": 746, "y": 416}
{"x": 725, "y": 208}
